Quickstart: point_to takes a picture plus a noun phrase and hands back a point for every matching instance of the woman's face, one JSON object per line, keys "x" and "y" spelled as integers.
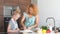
{"x": 31, "y": 10}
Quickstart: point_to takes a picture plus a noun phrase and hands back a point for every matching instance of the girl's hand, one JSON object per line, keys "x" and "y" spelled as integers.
{"x": 24, "y": 28}
{"x": 14, "y": 30}
{"x": 18, "y": 29}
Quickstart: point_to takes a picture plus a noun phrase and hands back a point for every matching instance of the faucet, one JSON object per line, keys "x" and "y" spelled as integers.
{"x": 53, "y": 20}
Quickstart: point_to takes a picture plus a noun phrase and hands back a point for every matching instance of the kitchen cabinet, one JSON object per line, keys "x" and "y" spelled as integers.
{"x": 23, "y": 4}
{"x": 1, "y": 19}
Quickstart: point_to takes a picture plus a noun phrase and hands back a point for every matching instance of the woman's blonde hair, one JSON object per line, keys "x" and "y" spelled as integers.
{"x": 35, "y": 10}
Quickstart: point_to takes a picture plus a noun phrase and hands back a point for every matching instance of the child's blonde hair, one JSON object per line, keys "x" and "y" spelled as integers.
{"x": 16, "y": 12}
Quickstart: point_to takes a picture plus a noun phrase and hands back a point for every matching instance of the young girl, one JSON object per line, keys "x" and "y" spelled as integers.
{"x": 30, "y": 17}
{"x": 13, "y": 26}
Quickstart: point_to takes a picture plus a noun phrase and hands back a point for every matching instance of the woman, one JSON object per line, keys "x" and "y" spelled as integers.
{"x": 30, "y": 17}
{"x": 13, "y": 26}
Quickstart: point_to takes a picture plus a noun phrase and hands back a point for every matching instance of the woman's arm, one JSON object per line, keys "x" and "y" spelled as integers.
{"x": 9, "y": 29}
{"x": 36, "y": 24}
{"x": 22, "y": 22}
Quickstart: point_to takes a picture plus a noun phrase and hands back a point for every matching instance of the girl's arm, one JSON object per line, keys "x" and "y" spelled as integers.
{"x": 9, "y": 29}
{"x": 22, "y": 22}
{"x": 36, "y": 24}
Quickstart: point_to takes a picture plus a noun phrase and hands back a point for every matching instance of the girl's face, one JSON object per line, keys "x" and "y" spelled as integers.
{"x": 16, "y": 16}
{"x": 31, "y": 10}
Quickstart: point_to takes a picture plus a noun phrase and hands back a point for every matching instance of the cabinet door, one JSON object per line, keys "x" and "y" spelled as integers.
{"x": 1, "y": 19}
{"x": 11, "y": 2}
{"x": 24, "y": 4}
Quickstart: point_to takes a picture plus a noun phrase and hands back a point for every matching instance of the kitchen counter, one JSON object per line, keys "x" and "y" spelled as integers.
{"x": 40, "y": 32}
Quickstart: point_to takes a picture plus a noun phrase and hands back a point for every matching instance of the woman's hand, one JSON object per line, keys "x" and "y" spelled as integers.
{"x": 29, "y": 28}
